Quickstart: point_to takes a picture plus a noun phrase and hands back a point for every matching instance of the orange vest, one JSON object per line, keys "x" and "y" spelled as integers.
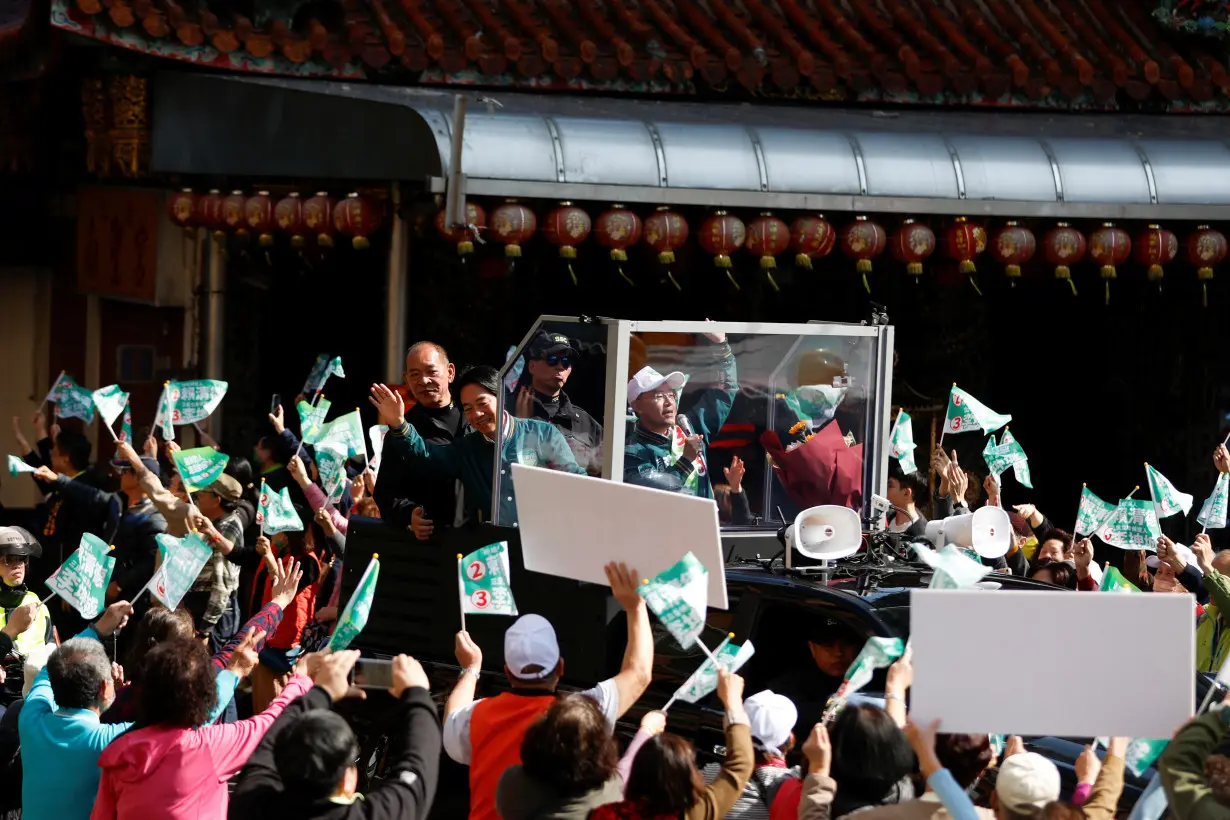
{"x": 497, "y": 728}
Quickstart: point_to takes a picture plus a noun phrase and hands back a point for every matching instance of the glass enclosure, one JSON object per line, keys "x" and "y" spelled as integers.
{"x": 766, "y": 419}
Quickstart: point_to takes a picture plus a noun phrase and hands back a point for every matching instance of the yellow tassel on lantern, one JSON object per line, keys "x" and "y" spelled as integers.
{"x": 914, "y": 268}
{"x": 671, "y": 277}
{"x": 513, "y": 251}
{"x": 465, "y": 247}
{"x": 324, "y": 240}
{"x": 967, "y": 266}
{"x": 667, "y": 258}
{"x": 1012, "y": 271}
{"x": 803, "y": 261}
{"x": 773, "y": 282}
{"x": 360, "y": 243}
{"x": 1205, "y": 275}
{"x": 767, "y": 263}
{"x": 619, "y": 255}
{"x": 863, "y": 266}
{"x": 1155, "y": 273}
{"x": 266, "y": 240}
{"x": 731, "y": 277}
{"x": 722, "y": 261}
{"x": 573, "y": 274}
{"x": 567, "y": 252}
{"x": 1109, "y": 272}
{"x": 1065, "y": 273}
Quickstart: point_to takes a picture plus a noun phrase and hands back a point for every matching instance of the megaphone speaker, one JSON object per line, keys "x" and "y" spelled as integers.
{"x": 827, "y": 532}
{"x": 986, "y": 531}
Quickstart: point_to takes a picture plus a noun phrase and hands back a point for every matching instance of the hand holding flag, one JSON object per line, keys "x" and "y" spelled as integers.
{"x": 83, "y": 577}
{"x": 354, "y": 616}
{"x": 1213, "y": 512}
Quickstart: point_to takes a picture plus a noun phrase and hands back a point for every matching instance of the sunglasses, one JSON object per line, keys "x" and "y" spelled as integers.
{"x": 15, "y": 560}
{"x": 558, "y": 361}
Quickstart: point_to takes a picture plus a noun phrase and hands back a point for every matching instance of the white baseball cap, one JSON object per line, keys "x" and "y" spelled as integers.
{"x": 530, "y": 642}
{"x": 1186, "y": 554}
{"x": 772, "y": 718}
{"x": 647, "y": 379}
{"x": 1025, "y": 780}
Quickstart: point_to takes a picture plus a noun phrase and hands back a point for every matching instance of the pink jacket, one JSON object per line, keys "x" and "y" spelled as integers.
{"x": 316, "y": 500}
{"x": 181, "y": 774}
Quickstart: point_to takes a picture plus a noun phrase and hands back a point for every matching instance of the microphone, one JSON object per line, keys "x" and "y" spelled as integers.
{"x": 685, "y": 425}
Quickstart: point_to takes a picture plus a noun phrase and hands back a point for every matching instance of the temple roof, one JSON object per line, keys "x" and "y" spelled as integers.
{"x": 1092, "y": 54}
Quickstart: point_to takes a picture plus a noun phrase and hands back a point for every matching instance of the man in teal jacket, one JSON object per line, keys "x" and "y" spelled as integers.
{"x": 531, "y": 442}
{"x": 666, "y": 450}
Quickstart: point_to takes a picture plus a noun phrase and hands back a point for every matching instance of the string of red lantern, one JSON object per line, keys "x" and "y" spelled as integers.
{"x": 912, "y": 244}
{"x": 1110, "y": 247}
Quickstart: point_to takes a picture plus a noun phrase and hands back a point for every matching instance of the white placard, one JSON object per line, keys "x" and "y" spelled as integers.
{"x": 1067, "y": 664}
{"x": 573, "y": 525}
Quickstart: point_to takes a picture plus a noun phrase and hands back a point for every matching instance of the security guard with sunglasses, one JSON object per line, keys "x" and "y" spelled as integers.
{"x": 549, "y": 362}
{"x": 25, "y": 623}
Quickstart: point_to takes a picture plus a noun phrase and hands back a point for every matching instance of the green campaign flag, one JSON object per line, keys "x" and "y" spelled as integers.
{"x": 1212, "y": 514}
{"x": 189, "y": 402}
{"x": 17, "y": 466}
{"x": 332, "y": 467}
{"x": 163, "y": 416}
{"x": 1140, "y": 754}
{"x": 312, "y": 419}
{"x": 1132, "y": 526}
{"x": 814, "y": 403}
{"x": 679, "y": 596}
{"x": 1167, "y": 499}
{"x": 901, "y": 442}
{"x": 1005, "y": 455}
{"x": 1093, "y": 513}
{"x": 354, "y": 616}
{"x": 83, "y": 578}
{"x": 486, "y": 586}
{"x": 1113, "y": 581}
{"x": 952, "y": 567}
{"x": 375, "y": 435}
{"x": 53, "y": 395}
{"x": 275, "y": 513}
{"x": 966, "y": 413}
{"x": 1020, "y": 468}
{"x": 345, "y": 435}
{"x": 199, "y": 467}
{"x": 73, "y": 402}
{"x": 110, "y": 402}
{"x": 703, "y": 681}
{"x": 182, "y": 562}
{"x": 126, "y": 428}
{"x": 324, "y": 367}
{"x": 877, "y": 653}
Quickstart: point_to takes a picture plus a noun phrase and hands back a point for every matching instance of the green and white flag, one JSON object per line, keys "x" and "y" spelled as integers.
{"x": 1093, "y": 513}
{"x": 1007, "y": 454}
{"x": 72, "y": 401}
{"x": 126, "y": 428}
{"x": 901, "y": 442}
{"x": 1113, "y": 581}
{"x": 324, "y": 367}
{"x": 83, "y": 578}
{"x": 110, "y": 402}
{"x": 332, "y": 467}
{"x": 1140, "y": 754}
{"x": 376, "y": 434}
{"x": 1020, "y": 468}
{"x": 1132, "y": 526}
{"x": 814, "y": 403}
{"x": 275, "y": 513}
{"x": 354, "y": 616}
{"x": 952, "y": 568}
{"x": 1167, "y": 499}
{"x": 199, "y": 467}
{"x": 679, "y": 596}
{"x": 1212, "y": 514}
{"x": 345, "y": 435}
{"x": 486, "y": 585}
{"x": 703, "y": 681}
{"x": 877, "y": 653}
{"x": 17, "y": 466}
{"x": 53, "y": 395}
{"x": 966, "y": 413}
{"x": 182, "y": 561}
{"x": 188, "y": 402}
{"x": 312, "y": 419}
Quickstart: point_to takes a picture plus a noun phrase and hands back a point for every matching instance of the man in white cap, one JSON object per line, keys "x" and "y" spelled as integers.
{"x": 486, "y": 734}
{"x": 666, "y": 449}
{"x": 1027, "y": 781}
{"x": 771, "y": 717}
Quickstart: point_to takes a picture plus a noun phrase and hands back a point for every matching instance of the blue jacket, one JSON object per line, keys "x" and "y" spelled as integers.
{"x": 648, "y": 460}
{"x": 531, "y": 442}
{"x": 60, "y": 749}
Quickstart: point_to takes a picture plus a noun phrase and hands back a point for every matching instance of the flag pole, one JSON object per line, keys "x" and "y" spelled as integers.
{"x": 461, "y": 593}
{"x": 1075, "y": 530}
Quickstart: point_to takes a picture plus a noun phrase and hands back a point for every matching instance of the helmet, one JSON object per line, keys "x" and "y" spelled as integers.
{"x": 19, "y": 541}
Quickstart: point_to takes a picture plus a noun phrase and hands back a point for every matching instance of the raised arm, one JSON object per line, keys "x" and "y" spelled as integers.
{"x": 1181, "y": 766}
{"x": 637, "y": 668}
{"x": 404, "y": 441}
{"x": 409, "y": 787}
{"x": 314, "y": 495}
{"x": 461, "y": 700}
{"x": 709, "y": 412}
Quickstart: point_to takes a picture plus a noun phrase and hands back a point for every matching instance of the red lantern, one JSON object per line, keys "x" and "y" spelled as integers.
{"x": 566, "y": 227}
{"x": 980, "y": 239}
{"x": 863, "y": 240}
{"x": 233, "y": 215}
{"x": 1064, "y": 247}
{"x": 911, "y": 244}
{"x": 318, "y": 218}
{"x": 1206, "y": 248}
{"x": 618, "y": 229}
{"x": 1155, "y": 247}
{"x": 1013, "y": 246}
{"x": 288, "y": 215}
{"x": 258, "y": 213}
{"x": 767, "y": 236}
{"x": 721, "y": 235}
{"x": 209, "y": 213}
{"x": 812, "y": 238}
{"x": 181, "y": 208}
{"x": 962, "y": 244}
{"x": 1109, "y": 247}
{"x": 665, "y": 231}
{"x": 513, "y": 224}
{"x": 357, "y": 217}
{"x": 463, "y": 235}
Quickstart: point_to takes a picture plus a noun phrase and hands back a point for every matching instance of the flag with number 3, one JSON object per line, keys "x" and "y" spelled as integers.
{"x": 486, "y": 588}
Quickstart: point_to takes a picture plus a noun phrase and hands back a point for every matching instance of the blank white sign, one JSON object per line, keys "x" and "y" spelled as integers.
{"x": 1074, "y": 664}
{"x": 573, "y": 525}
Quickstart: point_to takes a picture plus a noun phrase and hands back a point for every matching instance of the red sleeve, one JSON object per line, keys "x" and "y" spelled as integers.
{"x": 786, "y": 803}
{"x": 1086, "y": 584}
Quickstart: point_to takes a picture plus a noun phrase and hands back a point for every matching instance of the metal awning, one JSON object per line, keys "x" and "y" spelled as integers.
{"x": 685, "y": 153}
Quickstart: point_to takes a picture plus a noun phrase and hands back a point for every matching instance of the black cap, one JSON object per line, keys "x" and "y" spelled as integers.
{"x": 19, "y": 541}
{"x": 547, "y": 342}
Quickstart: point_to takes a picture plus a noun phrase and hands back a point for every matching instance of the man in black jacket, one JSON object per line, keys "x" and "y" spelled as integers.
{"x": 548, "y": 364}
{"x": 407, "y": 498}
{"x": 305, "y": 765}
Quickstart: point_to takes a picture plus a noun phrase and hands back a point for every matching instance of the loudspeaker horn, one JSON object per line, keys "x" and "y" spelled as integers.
{"x": 987, "y": 531}
{"x": 826, "y": 533}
